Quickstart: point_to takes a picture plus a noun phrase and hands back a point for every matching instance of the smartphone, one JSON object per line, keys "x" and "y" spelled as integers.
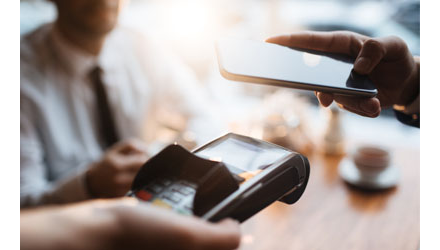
{"x": 272, "y": 64}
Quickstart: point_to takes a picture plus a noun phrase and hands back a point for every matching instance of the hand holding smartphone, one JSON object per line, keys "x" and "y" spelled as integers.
{"x": 272, "y": 64}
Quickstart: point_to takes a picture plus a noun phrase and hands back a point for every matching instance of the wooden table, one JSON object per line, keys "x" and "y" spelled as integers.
{"x": 333, "y": 215}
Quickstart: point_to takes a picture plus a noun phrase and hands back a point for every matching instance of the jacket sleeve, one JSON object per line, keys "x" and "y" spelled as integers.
{"x": 410, "y": 114}
{"x": 411, "y": 120}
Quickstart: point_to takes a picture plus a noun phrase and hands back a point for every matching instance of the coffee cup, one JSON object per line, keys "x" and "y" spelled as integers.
{"x": 371, "y": 160}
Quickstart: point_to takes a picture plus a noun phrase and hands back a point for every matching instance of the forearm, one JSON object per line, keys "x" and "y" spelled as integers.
{"x": 82, "y": 226}
{"x": 116, "y": 224}
{"x": 36, "y": 190}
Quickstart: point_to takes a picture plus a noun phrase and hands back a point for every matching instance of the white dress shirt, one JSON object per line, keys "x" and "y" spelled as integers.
{"x": 59, "y": 131}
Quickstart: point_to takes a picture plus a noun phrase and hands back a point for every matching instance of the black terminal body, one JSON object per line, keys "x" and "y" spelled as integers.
{"x": 233, "y": 176}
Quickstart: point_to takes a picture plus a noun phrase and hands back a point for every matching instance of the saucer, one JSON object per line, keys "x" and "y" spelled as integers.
{"x": 351, "y": 174}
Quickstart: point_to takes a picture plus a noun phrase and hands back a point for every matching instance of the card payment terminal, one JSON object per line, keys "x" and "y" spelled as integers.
{"x": 233, "y": 176}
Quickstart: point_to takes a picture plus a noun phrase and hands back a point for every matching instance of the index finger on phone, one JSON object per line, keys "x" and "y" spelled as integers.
{"x": 343, "y": 42}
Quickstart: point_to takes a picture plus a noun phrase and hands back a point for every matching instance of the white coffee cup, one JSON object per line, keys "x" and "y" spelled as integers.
{"x": 371, "y": 160}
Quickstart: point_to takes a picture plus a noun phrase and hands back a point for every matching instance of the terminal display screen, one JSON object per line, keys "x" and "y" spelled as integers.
{"x": 246, "y": 159}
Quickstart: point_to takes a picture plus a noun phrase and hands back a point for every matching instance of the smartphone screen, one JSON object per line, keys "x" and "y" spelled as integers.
{"x": 243, "y": 158}
{"x": 265, "y": 63}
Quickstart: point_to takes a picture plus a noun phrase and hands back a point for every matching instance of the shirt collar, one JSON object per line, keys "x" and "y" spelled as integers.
{"x": 76, "y": 60}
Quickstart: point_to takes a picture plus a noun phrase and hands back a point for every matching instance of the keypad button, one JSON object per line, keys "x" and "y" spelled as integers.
{"x": 169, "y": 193}
{"x": 183, "y": 190}
{"x": 188, "y": 207}
{"x": 172, "y": 197}
{"x": 187, "y": 184}
{"x": 165, "y": 182}
{"x": 161, "y": 203}
{"x": 184, "y": 211}
{"x": 144, "y": 195}
{"x": 155, "y": 188}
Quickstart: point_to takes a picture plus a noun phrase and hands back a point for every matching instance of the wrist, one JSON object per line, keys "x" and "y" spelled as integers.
{"x": 89, "y": 181}
{"x": 411, "y": 87}
{"x": 412, "y": 108}
{"x": 121, "y": 211}
{"x": 104, "y": 230}
{"x": 93, "y": 222}
{"x": 36, "y": 230}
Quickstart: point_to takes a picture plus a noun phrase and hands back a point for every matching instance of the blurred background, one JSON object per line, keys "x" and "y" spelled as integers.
{"x": 189, "y": 28}
{"x": 291, "y": 118}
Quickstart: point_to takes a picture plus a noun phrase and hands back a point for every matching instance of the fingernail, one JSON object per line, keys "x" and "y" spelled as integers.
{"x": 361, "y": 65}
{"x": 369, "y": 107}
{"x": 270, "y": 39}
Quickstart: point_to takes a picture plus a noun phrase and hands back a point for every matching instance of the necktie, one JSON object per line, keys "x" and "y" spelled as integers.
{"x": 106, "y": 123}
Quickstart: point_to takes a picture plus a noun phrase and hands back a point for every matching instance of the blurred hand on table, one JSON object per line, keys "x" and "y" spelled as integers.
{"x": 387, "y": 61}
{"x": 117, "y": 224}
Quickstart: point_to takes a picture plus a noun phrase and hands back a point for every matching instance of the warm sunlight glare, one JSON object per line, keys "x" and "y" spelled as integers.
{"x": 187, "y": 19}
